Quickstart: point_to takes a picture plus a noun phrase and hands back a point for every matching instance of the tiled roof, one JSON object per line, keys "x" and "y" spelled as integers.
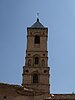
{"x": 14, "y": 90}
{"x": 37, "y": 24}
{"x": 10, "y": 89}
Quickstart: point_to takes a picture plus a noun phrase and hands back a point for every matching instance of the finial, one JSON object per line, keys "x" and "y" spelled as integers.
{"x": 37, "y": 17}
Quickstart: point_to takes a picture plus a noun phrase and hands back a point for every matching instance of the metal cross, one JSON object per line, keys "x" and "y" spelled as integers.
{"x": 38, "y": 15}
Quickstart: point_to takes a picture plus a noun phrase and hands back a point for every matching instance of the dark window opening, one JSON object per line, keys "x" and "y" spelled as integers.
{"x": 35, "y": 78}
{"x": 37, "y": 40}
{"x": 36, "y": 60}
{"x": 45, "y": 71}
{"x": 29, "y": 54}
{"x": 43, "y": 54}
{"x": 27, "y": 71}
{"x": 5, "y": 97}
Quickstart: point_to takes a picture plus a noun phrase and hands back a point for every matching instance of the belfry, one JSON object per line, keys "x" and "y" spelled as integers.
{"x": 35, "y": 81}
{"x": 36, "y": 71}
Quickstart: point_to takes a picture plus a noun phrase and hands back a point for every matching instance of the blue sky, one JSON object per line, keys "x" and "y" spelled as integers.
{"x": 59, "y": 17}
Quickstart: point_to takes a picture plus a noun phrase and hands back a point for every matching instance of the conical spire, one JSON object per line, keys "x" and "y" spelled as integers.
{"x": 37, "y": 24}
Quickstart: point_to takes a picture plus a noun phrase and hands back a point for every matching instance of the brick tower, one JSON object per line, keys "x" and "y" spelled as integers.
{"x": 36, "y": 70}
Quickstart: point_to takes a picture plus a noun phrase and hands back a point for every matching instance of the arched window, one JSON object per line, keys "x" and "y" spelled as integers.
{"x": 37, "y": 39}
{"x": 36, "y": 60}
{"x": 35, "y": 78}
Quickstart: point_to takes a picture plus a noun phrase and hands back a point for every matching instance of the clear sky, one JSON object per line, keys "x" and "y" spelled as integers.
{"x": 59, "y": 17}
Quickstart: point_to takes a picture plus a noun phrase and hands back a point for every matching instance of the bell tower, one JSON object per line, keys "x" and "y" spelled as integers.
{"x": 36, "y": 70}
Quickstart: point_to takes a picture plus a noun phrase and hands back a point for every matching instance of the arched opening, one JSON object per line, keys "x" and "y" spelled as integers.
{"x": 37, "y": 39}
{"x": 36, "y": 60}
{"x": 35, "y": 78}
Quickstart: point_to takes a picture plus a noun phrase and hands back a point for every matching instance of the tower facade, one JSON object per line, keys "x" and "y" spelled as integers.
{"x": 36, "y": 70}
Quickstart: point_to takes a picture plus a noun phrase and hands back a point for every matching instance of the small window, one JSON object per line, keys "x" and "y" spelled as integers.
{"x": 45, "y": 71}
{"x": 43, "y": 54}
{"x": 36, "y": 60}
{"x": 37, "y": 39}
{"x": 4, "y": 97}
{"x": 35, "y": 78}
{"x": 27, "y": 71}
{"x": 29, "y": 54}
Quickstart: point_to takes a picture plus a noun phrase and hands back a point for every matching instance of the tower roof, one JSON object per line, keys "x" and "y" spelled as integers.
{"x": 37, "y": 24}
